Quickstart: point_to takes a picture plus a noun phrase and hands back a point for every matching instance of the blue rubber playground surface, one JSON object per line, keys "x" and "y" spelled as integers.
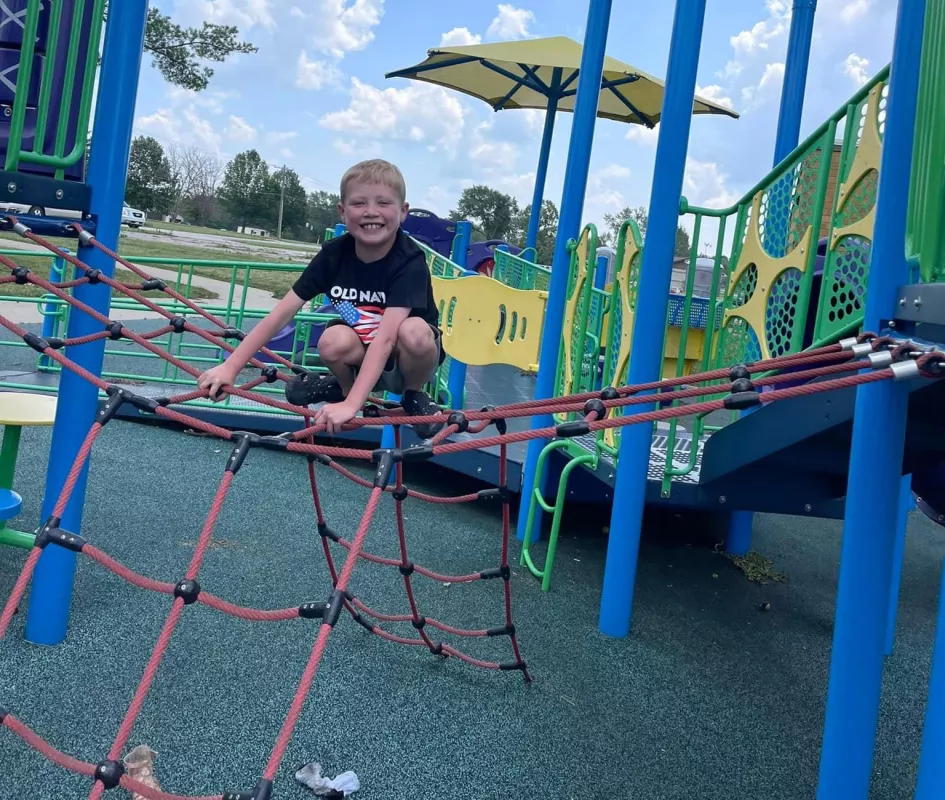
{"x": 718, "y": 693}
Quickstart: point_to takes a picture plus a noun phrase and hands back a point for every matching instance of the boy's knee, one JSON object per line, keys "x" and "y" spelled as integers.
{"x": 415, "y": 337}
{"x": 336, "y": 343}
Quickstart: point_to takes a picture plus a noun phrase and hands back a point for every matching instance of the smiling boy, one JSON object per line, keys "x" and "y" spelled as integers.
{"x": 388, "y": 337}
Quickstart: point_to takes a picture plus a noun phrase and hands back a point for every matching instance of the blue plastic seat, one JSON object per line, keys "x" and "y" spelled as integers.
{"x": 10, "y": 504}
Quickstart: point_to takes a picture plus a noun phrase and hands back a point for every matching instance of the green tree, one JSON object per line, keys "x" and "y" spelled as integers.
{"x": 640, "y": 215}
{"x": 149, "y": 185}
{"x": 178, "y": 53}
{"x": 246, "y": 190}
{"x": 285, "y": 185}
{"x": 322, "y": 213}
{"x": 547, "y": 230}
{"x": 495, "y": 214}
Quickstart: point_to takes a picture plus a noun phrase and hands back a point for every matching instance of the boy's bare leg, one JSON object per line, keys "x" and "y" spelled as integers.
{"x": 340, "y": 349}
{"x": 416, "y": 352}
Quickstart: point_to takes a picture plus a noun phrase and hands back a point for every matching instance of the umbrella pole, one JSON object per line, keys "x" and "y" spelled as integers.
{"x": 534, "y": 217}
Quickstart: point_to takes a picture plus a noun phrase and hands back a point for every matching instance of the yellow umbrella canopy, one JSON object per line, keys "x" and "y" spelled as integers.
{"x": 544, "y": 74}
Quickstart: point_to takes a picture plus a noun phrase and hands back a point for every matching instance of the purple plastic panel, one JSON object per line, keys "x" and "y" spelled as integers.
{"x": 12, "y": 17}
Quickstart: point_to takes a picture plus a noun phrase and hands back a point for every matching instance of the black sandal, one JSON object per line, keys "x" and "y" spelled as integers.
{"x": 419, "y": 404}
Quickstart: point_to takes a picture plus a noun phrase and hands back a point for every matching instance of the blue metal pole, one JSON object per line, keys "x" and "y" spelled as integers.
{"x": 931, "y": 781}
{"x": 569, "y": 227}
{"x": 872, "y": 499}
{"x": 456, "y": 380}
{"x": 534, "y": 218}
{"x": 48, "y": 615}
{"x": 795, "y": 78}
{"x": 738, "y": 538}
{"x": 906, "y": 504}
{"x": 646, "y": 358}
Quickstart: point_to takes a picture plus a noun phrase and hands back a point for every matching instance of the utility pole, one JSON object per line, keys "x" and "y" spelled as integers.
{"x": 281, "y": 202}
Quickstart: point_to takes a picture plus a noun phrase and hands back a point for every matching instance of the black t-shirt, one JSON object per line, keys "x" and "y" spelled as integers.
{"x": 361, "y": 291}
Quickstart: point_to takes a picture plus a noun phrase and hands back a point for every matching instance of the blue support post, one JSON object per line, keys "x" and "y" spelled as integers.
{"x": 906, "y": 504}
{"x": 795, "y": 78}
{"x": 50, "y": 599}
{"x": 456, "y": 380}
{"x": 569, "y": 226}
{"x": 738, "y": 538}
{"x": 931, "y": 781}
{"x": 534, "y": 218}
{"x": 646, "y": 358}
{"x": 876, "y": 456}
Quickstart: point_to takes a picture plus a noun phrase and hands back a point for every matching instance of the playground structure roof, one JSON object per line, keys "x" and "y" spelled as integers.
{"x": 528, "y": 73}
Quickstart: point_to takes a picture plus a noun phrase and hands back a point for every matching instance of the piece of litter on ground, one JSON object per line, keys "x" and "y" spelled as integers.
{"x": 340, "y": 786}
{"x": 139, "y": 764}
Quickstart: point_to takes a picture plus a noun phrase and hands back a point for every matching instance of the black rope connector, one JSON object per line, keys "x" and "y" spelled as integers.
{"x": 178, "y": 324}
{"x": 359, "y": 618}
{"x": 270, "y": 373}
{"x": 116, "y": 399}
{"x": 507, "y": 666}
{"x": 371, "y": 411}
{"x": 114, "y": 330}
{"x": 595, "y": 406}
{"x": 742, "y": 400}
{"x": 262, "y": 790}
{"x": 498, "y": 492}
{"x": 568, "y": 430}
{"x": 327, "y": 533}
{"x": 56, "y": 342}
{"x": 147, "y": 404}
{"x": 22, "y": 275}
{"x": 419, "y": 623}
{"x": 738, "y": 371}
{"x": 3, "y": 714}
{"x": 152, "y": 284}
{"x": 742, "y": 385}
{"x": 437, "y": 648}
{"x": 333, "y": 608}
{"x": 272, "y": 442}
{"x": 322, "y": 458}
{"x": 385, "y": 460}
{"x": 233, "y": 333}
{"x": 187, "y": 590}
{"x": 94, "y": 275}
{"x": 502, "y": 630}
{"x": 609, "y": 393}
{"x": 239, "y": 453}
{"x": 406, "y": 569}
{"x": 497, "y": 572}
{"x": 458, "y": 418}
{"x": 500, "y": 424}
{"x": 38, "y": 343}
{"x": 400, "y": 494}
{"x": 419, "y": 452}
{"x": 51, "y": 533}
{"x": 312, "y": 610}
{"x": 109, "y": 773}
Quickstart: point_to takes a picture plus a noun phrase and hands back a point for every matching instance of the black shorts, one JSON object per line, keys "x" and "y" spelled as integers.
{"x": 392, "y": 379}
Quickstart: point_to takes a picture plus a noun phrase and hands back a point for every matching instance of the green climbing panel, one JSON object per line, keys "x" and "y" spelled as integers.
{"x": 925, "y": 237}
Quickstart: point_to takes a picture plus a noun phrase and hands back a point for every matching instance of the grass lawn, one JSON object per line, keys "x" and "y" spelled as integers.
{"x": 258, "y": 240}
{"x": 277, "y": 282}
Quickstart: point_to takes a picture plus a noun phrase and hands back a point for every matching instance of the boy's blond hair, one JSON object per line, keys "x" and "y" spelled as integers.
{"x": 375, "y": 170}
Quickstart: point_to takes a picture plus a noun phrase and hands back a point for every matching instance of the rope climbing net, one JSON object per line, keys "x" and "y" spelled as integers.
{"x": 867, "y": 357}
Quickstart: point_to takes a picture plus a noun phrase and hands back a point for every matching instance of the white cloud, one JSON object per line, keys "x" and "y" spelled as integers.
{"x": 601, "y": 188}
{"x": 342, "y": 26}
{"x": 643, "y": 135}
{"x": 419, "y": 112}
{"x": 855, "y": 68}
{"x": 705, "y": 185}
{"x": 297, "y": 12}
{"x": 855, "y": 10}
{"x": 716, "y": 94}
{"x": 510, "y": 23}
{"x": 277, "y": 137}
{"x": 491, "y": 154}
{"x": 239, "y": 130}
{"x": 169, "y": 126}
{"x": 286, "y": 153}
{"x": 213, "y": 101}
{"x": 315, "y": 74}
{"x": 459, "y": 37}
{"x": 242, "y": 13}
{"x": 772, "y": 76}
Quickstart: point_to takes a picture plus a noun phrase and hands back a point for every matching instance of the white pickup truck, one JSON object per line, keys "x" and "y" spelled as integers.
{"x": 131, "y": 217}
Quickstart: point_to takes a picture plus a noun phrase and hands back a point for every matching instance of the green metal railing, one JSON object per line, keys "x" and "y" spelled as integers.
{"x": 520, "y": 273}
{"x": 60, "y": 159}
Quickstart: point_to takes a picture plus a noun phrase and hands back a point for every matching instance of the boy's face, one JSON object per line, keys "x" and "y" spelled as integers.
{"x": 372, "y": 212}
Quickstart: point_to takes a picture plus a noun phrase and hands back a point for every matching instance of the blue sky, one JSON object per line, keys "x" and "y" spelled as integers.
{"x": 315, "y": 98}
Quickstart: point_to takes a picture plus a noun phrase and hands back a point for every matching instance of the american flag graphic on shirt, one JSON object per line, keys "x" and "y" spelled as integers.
{"x": 364, "y": 321}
